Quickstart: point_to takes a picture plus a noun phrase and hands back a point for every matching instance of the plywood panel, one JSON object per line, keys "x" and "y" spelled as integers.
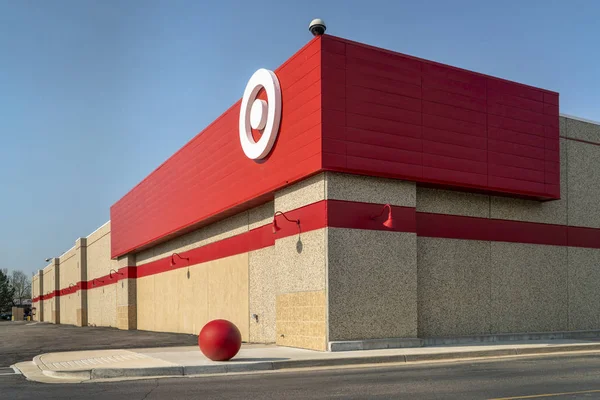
{"x": 185, "y": 299}
{"x": 145, "y": 303}
{"x": 94, "y": 297}
{"x": 228, "y": 291}
{"x": 69, "y": 304}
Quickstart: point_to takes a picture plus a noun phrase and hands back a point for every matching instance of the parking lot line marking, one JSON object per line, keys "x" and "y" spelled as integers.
{"x": 4, "y": 371}
{"x": 534, "y": 396}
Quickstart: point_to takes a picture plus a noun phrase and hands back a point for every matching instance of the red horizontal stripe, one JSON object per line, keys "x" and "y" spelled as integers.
{"x": 128, "y": 273}
{"x": 583, "y": 237}
{"x": 345, "y": 214}
{"x": 357, "y": 215}
{"x": 473, "y": 228}
{"x": 48, "y": 296}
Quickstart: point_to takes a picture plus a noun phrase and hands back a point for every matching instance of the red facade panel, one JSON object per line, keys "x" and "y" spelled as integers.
{"x": 455, "y": 127}
{"x": 353, "y": 108}
{"x": 211, "y": 177}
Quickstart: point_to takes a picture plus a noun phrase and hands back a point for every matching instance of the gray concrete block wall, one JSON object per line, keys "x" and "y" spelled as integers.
{"x": 468, "y": 287}
{"x": 583, "y": 288}
{"x": 529, "y": 290}
{"x": 583, "y": 191}
{"x": 372, "y": 282}
{"x": 369, "y": 189}
{"x": 454, "y": 287}
{"x": 439, "y": 201}
{"x": 580, "y": 129}
{"x": 372, "y": 275}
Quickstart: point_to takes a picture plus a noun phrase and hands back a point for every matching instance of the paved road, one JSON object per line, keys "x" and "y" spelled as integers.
{"x": 489, "y": 379}
{"x": 21, "y": 341}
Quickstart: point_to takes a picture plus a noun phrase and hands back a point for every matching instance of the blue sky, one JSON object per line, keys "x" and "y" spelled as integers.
{"x": 94, "y": 95}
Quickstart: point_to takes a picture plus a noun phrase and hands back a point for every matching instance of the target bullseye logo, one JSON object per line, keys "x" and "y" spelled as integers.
{"x": 260, "y": 115}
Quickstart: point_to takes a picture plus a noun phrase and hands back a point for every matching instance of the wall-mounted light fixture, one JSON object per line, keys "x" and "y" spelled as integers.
{"x": 276, "y": 227}
{"x": 94, "y": 281}
{"x": 116, "y": 272}
{"x": 173, "y": 259}
{"x": 389, "y": 222}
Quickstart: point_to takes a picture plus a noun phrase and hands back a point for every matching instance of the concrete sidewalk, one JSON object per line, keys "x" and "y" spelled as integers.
{"x": 81, "y": 366}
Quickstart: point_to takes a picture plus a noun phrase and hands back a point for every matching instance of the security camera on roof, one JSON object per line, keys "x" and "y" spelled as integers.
{"x": 317, "y": 27}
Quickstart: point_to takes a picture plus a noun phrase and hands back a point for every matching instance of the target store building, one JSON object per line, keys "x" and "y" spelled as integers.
{"x": 355, "y": 198}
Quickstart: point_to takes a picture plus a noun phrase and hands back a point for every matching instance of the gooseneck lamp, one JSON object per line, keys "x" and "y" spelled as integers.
{"x": 111, "y": 272}
{"x": 389, "y": 222}
{"x": 173, "y": 259}
{"x": 277, "y": 228}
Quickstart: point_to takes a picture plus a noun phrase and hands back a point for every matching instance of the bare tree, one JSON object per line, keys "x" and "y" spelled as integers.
{"x": 22, "y": 285}
{"x": 6, "y": 292}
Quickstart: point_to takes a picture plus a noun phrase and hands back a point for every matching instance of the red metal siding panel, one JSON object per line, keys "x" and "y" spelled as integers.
{"x": 355, "y": 108}
{"x": 468, "y": 130}
{"x": 210, "y": 175}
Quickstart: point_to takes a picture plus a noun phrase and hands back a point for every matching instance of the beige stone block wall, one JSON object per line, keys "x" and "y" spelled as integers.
{"x": 35, "y": 292}
{"x": 69, "y": 274}
{"x": 294, "y": 264}
{"x": 145, "y": 309}
{"x": 109, "y": 305}
{"x": 99, "y": 262}
{"x": 229, "y": 227}
{"x": 94, "y": 307}
{"x": 303, "y": 263}
{"x": 35, "y": 288}
{"x": 69, "y": 269}
{"x": 127, "y": 304}
{"x": 216, "y": 289}
{"x": 302, "y": 320}
{"x": 70, "y": 308}
{"x": 303, "y": 193}
{"x": 49, "y": 306}
{"x": 102, "y": 306}
{"x": 101, "y": 301}
{"x": 185, "y": 299}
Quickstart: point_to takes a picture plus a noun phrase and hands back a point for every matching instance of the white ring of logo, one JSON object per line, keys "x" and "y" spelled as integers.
{"x": 263, "y": 78}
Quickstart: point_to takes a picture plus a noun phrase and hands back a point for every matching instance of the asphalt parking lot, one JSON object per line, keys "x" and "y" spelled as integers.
{"x": 21, "y": 341}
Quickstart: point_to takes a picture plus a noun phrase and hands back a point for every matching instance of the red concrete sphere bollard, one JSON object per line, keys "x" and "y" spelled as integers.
{"x": 220, "y": 340}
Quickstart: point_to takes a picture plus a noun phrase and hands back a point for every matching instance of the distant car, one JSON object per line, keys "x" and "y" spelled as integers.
{"x": 6, "y": 317}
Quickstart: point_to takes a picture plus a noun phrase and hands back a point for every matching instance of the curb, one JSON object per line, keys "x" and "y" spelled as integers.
{"x": 112, "y": 373}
